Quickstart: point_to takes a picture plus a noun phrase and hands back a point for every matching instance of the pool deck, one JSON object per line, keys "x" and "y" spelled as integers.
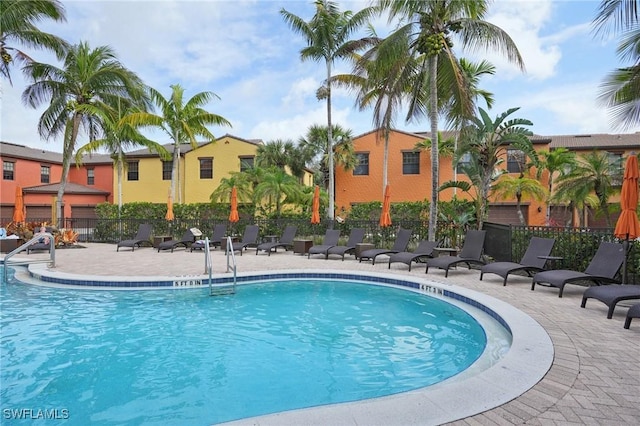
{"x": 595, "y": 375}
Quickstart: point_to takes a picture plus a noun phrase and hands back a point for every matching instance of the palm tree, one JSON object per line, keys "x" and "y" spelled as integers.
{"x": 243, "y": 184}
{"x": 181, "y": 121}
{"x": 118, "y": 136}
{"x": 509, "y": 187}
{"x": 620, "y": 92}
{"x": 18, "y": 21}
{"x": 487, "y": 142}
{"x": 314, "y": 148}
{"x": 88, "y": 78}
{"x": 430, "y": 25}
{"x": 278, "y": 186}
{"x": 382, "y": 85}
{"x": 596, "y": 173}
{"x": 555, "y": 163}
{"x": 282, "y": 154}
{"x": 327, "y": 36}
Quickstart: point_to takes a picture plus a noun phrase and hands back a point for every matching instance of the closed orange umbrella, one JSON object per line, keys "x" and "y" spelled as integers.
{"x": 233, "y": 216}
{"x": 385, "y": 217}
{"x": 18, "y": 208}
{"x": 169, "y": 215}
{"x": 315, "y": 209}
{"x": 627, "y": 226}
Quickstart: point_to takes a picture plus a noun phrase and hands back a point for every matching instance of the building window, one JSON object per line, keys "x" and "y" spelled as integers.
{"x": 411, "y": 163}
{"x": 515, "y": 161}
{"x": 206, "y": 168}
{"x": 91, "y": 177}
{"x": 463, "y": 163}
{"x": 362, "y": 167}
{"x": 246, "y": 163}
{"x": 166, "y": 170}
{"x": 132, "y": 170}
{"x": 45, "y": 171}
{"x": 7, "y": 170}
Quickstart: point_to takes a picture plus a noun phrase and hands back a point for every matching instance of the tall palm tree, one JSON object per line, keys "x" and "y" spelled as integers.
{"x": 327, "y": 36}
{"x": 316, "y": 150}
{"x": 556, "y": 163}
{"x": 118, "y": 136}
{"x": 620, "y": 92}
{"x": 87, "y": 79}
{"x": 509, "y": 187}
{"x": 381, "y": 85}
{"x": 487, "y": 142}
{"x": 181, "y": 121}
{"x": 430, "y": 24}
{"x": 598, "y": 173}
{"x": 18, "y": 19}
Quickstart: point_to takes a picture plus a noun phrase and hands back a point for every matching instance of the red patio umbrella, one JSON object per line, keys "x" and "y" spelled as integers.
{"x": 627, "y": 226}
{"x": 385, "y": 217}
{"x": 233, "y": 216}
{"x": 315, "y": 209}
{"x": 18, "y": 208}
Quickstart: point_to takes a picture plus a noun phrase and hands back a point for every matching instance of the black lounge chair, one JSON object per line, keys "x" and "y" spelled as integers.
{"x": 219, "y": 233}
{"x": 601, "y": 270}
{"x": 331, "y": 238}
{"x": 44, "y": 243}
{"x": 533, "y": 260}
{"x": 400, "y": 244}
{"x": 422, "y": 252}
{"x": 610, "y": 295}
{"x": 143, "y": 237}
{"x": 355, "y": 237}
{"x": 285, "y": 241}
{"x": 249, "y": 238}
{"x": 634, "y": 312}
{"x": 471, "y": 253}
{"x": 187, "y": 239}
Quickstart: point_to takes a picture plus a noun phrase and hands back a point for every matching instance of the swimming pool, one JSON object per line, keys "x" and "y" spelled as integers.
{"x": 175, "y": 326}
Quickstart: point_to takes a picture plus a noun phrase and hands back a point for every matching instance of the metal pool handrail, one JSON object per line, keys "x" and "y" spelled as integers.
{"x": 224, "y": 288}
{"x": 52, "y": 253}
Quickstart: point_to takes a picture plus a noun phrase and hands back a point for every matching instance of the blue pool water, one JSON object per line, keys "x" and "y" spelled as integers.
{"x": 182, "y": 357}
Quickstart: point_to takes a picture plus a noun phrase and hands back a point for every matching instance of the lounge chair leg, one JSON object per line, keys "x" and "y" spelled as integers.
{"x": 627, "y": 323}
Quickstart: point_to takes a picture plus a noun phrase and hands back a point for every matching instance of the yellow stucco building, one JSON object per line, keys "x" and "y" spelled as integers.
{"x": 147, "y": 178}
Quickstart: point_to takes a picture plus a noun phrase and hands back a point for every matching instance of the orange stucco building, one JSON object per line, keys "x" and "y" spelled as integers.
{"x": 38, "y": 172}
{"x": 409, "y": 172}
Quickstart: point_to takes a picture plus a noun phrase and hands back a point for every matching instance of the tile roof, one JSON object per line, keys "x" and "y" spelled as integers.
{"x": 70, "y": 188}
{"x": 13, "y": 150}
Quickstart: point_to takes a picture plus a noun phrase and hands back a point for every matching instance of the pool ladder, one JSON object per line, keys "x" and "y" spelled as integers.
{"x": 51, "y": 260}
{"x": 220, "y": 289}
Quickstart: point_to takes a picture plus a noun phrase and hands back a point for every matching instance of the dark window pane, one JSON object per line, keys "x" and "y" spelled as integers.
{"x": 515, "y": 161}
{"x": 90, "y": 177}
{"x": 132, "y": 170}
{"x": 206, "y": 168}
{"x": 362, "y": 168}
{"x": 44, "y": 174}
{"x": 7, "y": 170}
{"x": 246, "y": 163}
{"x": 411, "y": 163}
{"x": 166, "y": 170}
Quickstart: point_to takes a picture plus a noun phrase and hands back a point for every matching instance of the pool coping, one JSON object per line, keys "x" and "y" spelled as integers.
{"x": 526, "y": 363}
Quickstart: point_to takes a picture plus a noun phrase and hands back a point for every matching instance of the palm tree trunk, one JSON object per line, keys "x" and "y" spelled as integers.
{"x": 67, "y": 152}
{"x": 433, "y": 117}
{"x": 385, "y": 165}
{"x": 174, "y": 168}
{"x": 330, "y": 214}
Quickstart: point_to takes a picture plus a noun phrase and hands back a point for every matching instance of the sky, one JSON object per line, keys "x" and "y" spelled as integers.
{"x": 245, "y": 53}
